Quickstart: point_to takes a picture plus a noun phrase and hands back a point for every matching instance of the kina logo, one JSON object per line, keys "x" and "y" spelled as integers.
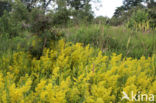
{"x": 138, "y": 97}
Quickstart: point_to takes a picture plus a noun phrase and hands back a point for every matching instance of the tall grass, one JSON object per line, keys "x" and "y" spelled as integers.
{"x": 114, "y": 39}
{"x": 109, "y": 39}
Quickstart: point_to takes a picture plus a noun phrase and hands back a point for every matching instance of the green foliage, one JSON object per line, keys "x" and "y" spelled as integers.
{"x": 139, "y": 21}
{"x": 36, "y": 23}
{"x": 22, "y": 26}
{"x": 4, "y": 6}
{"x": 12, "y": 22}
{"x": 123, "y": 13}
{"x": 9, "y": 26}
{"x": 81, "y": 10}
{"x": 101, "y": 20}
{"x": 61, "y": 17}
{"x": 136, "y": 14}
{"x": 114, "y": 39}
{"x": 152, "y": 13}
{"x": 128, "y": 4}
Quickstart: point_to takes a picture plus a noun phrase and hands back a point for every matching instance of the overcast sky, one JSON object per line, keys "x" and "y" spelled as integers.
{"x": 107, "y": 7}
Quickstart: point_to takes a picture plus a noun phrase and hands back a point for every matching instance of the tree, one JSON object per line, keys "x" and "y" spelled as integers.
{"x": 77, "y": 4}
{"x": 124, "y": 12}
{"x": 42, "y": 4}
{"x": 80, "y": 9}
{"x": 118, "y": 12}
{"x": 151, "y": 4}
{"x": 4, "y": 5}
{"x": 128, "y": 4}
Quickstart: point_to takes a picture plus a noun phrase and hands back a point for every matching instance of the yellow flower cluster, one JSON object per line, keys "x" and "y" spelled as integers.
{"x": 71, "y": 73}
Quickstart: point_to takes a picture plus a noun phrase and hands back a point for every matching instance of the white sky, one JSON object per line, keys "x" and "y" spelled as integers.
{"x": 107, "y": 7}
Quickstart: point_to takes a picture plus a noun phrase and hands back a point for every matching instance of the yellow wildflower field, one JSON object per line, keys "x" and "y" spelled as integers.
{"x": 72, "y": 73}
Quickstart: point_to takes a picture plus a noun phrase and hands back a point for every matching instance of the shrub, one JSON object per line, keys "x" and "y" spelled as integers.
{"x": 139, "y": 21}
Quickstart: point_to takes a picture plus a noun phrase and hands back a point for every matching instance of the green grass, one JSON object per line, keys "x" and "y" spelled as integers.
{"x": 119, "y": 40}
{"x": 114, "y": 39}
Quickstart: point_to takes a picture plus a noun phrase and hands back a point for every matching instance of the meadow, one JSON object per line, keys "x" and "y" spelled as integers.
{"x": 72, "y": 73}
{"x": 93, "y": 64}
{"x": 67, "y": 55}
{"x": 108, "y": 39}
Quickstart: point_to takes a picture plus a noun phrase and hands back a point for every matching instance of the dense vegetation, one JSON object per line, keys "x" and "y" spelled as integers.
{"x": 63, "y": 54}
{"x": 73, "y": 73}
{"x": 114, "y": 39}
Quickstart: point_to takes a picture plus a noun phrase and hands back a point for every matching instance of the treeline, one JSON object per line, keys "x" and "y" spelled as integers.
{"x": 61, "y": 10}
{"x": 24, "y": 20}
{"x": 135, "y": 14}
{"x": 40, "y": 15}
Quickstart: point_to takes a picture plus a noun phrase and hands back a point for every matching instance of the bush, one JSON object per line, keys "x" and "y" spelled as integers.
{"x": 9, "y": 26}
{"x": 61, "y": 17}
{"x": 4, "y": 6}
{"x": 139, "y": 21}
{"x": 101, "y": 20}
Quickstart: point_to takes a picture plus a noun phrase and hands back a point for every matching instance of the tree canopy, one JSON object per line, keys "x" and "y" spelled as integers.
{"x": 4, "y": 5}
